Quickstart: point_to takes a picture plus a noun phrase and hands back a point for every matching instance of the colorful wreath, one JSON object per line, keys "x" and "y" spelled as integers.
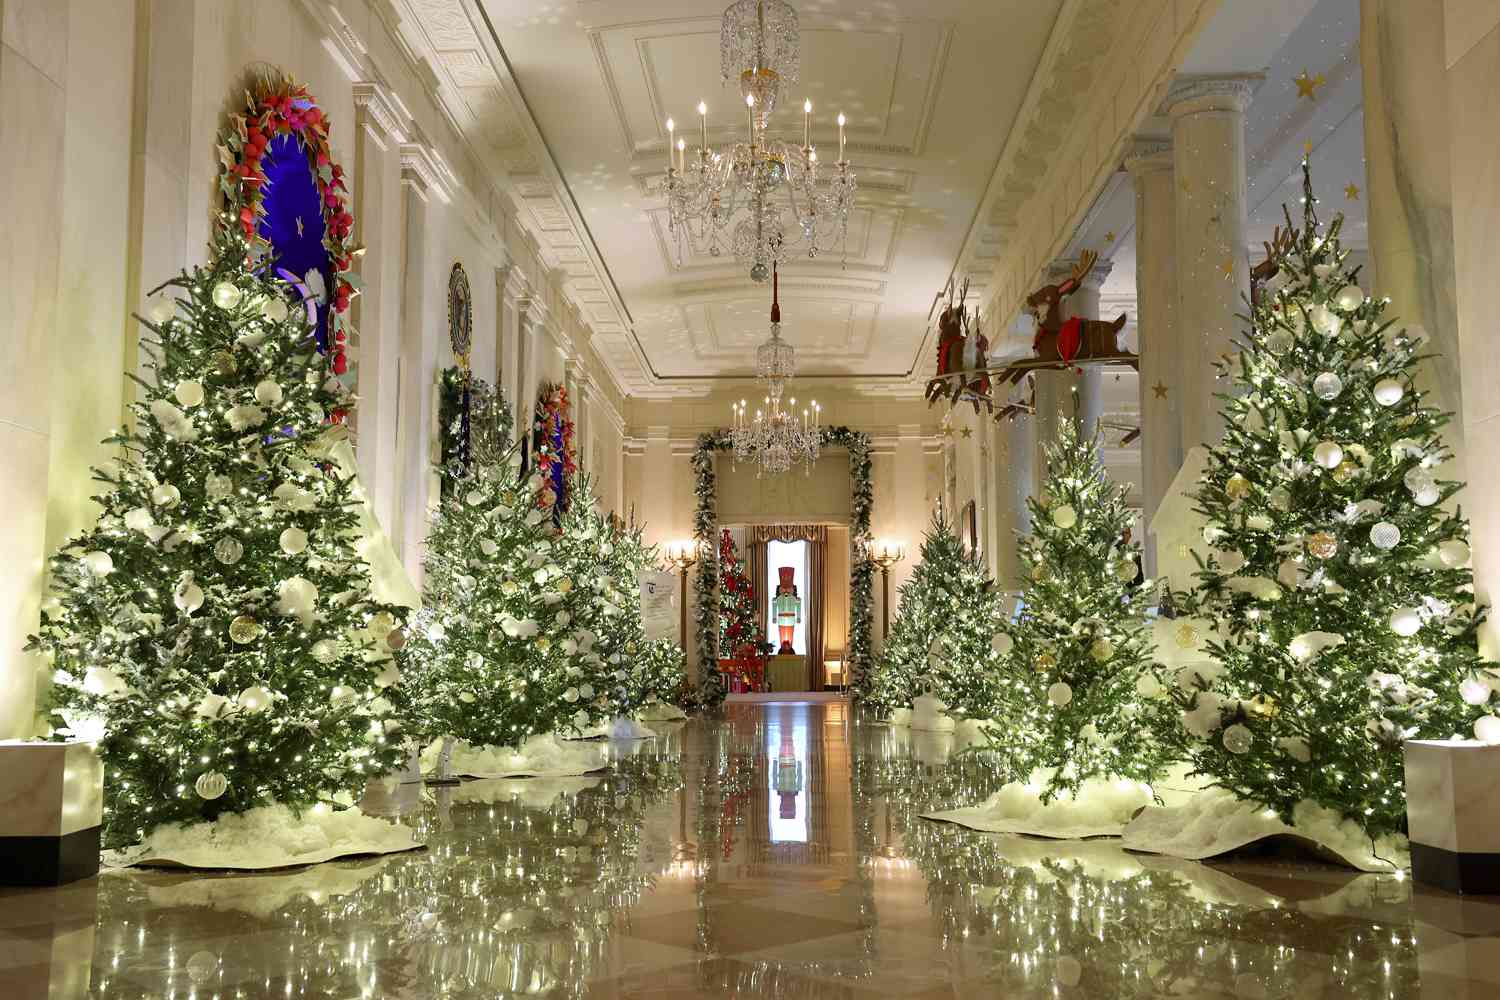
{"x": 552, "y": 448}
{"x": 281, "y": 186}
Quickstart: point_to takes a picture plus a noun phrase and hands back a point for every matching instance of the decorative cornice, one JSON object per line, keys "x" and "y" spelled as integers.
{"x": 1191, "y": 95}
{"x": 1144, "y": 156}
{"x": 421, "y": 168}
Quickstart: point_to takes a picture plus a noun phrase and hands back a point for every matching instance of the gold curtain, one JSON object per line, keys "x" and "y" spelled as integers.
{"x": 816, "y": 561}
{"x": 757, "y": 555}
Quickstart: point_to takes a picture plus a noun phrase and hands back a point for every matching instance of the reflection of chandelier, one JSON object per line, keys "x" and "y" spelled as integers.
{"x": 775, "y": 439}
{"x": 759, "y": 45}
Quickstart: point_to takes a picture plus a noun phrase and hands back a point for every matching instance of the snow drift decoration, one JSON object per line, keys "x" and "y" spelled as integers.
{"x": 539, "y": 756}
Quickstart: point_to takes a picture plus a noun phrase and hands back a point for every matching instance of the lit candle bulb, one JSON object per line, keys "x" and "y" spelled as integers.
{"x": 682, "y": 154}
{"x": 703, "y": 120}
{"x": 671, "y": 127}
{"x": 841, "y": 136}
{"x": 806, "y": 124}
{"x": 750, "y": 115}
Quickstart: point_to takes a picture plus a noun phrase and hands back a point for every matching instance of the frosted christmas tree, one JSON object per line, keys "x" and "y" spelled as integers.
{"x": 1076, "y": 666}
{"x": 215, "y": 631}
{"x": 940, "y": 642}
{"x": 1341, "y": 582}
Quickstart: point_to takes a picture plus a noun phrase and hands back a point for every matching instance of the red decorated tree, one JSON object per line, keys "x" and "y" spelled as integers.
{"x": 736, "y": 600}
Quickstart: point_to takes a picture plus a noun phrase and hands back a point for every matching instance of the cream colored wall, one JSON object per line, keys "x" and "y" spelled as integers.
{"x": 108, "y": 181}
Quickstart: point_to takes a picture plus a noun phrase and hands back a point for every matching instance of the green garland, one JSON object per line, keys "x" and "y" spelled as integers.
{"x": 861, "y": 575}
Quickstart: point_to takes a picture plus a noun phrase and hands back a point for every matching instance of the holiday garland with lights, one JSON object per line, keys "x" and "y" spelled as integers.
{"x": 1340, "y": 582}
{"x": 214, "y": 631}
{"x": 1076, "y": 681}
{"x": 736, "y": 600}
{"x": 861, "y": 571}
{"x": 940, "y": 641}
{"x": 552, "y": 451}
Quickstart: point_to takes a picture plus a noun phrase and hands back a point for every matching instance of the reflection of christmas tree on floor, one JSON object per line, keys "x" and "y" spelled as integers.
{"x": 214, "y": 631}
{"x": 1341, "y": 582}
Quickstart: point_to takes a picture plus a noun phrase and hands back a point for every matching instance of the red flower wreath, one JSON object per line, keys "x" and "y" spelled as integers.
{"x": 285, "y": 106}
{"x": 553, "y": 413}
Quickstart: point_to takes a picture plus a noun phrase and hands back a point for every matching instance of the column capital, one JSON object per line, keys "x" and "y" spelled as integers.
{"x": 1195, "y": 94}
{"x": 1145, "y": 156}
{"x": 421, "y": 170}
{"x": 379, "y": 112}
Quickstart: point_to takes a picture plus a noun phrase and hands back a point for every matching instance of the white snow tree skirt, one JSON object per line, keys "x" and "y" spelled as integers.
{"x": 543, "y": 756}
{"x": 660, "y": 711}
{"x": 1102, "y": 808}
{"x": 267, "y": 837}
{"x": 619, "y": 728}
{"x": 1214, "y": 822}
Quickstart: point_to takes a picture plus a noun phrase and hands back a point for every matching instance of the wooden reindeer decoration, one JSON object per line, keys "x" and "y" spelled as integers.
{"x": 1279, "y": 247}
{"x": 962, "y": 355}
{"x": 1066, "y": 340}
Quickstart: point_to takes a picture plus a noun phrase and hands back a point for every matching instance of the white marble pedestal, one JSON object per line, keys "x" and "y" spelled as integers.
{"x": 51, "y": 812}
{"x": 1453, "y": 814}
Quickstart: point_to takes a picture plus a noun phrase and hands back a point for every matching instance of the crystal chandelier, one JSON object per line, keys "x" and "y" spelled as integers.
{"x": 762, "y": 200}
{"x": 776, "y": 439}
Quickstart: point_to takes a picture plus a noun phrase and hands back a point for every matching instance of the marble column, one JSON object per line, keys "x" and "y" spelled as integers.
{"x": 1060, "y": 395}
{"x": 1150, "y": 166}
{"x": 513, "y": 294}
{"x": 1408, "y": 187}
{"x": 1213, "y": 276}
{"x": 376, "y": 311}
{"x": 1472, "y": 57}
{"x": 1014, "y": 459}
{"x": 33, "y": 103}
{"x": 418, "y": 362}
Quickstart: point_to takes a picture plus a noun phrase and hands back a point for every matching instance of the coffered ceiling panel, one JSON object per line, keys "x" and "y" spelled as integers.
{"x": 931, "y": 90}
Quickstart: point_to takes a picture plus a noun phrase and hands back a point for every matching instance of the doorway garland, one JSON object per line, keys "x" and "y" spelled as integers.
{"x": 861, "y": 571}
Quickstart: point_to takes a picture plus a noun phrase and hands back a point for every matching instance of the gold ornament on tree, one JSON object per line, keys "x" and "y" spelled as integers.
{"x": 1322, "y": 545}
{"x": 1237, "y": 487}
{"x": 244, "y": 629}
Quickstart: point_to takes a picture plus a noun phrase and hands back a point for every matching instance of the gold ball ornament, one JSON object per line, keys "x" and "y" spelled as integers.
{"x": 1125, "y": 570}
{"x": 1237, "y": 487}
{"x": 1101, "y": 650}
{"x": 1045, "y": 662}
{"x": 1264, "y": 706}
{"x": 244, "y": 629}
{"x": 1186, "y": 635}
{"x": 395, "y": 639}
{"x": 1040, "y": 573}
{"x": 1322, "y": 545}
{"x": 564, "y": 584}
{"x": 1065, "y": 516}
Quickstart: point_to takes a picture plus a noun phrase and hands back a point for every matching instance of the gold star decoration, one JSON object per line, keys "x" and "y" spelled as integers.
{"x": 1228, "y": 268}
{"x": 1351, "y": 191}
{"x": 946, "y": 431}
{"x": 1307, "y": 85}
{"x": 1160, "y": 388}
{"x": 1185, "y": 185}
{"x": 968, "y": 432}
{"x": 1109, "y": 237}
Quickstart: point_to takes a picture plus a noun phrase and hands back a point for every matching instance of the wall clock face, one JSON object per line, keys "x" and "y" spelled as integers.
{"x": 460, "y": 314}
{"x": 293, "y": 222}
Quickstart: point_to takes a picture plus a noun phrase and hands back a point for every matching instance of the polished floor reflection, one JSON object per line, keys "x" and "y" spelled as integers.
{"x": 775, "y": 853}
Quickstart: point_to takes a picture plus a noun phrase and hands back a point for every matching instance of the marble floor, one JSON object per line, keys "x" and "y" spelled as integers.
{"x": 774, "y": 853}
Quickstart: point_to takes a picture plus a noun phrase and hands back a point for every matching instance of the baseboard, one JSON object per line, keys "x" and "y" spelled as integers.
{"x": 50, "y": 860}
{"x": 1455, "y": 871}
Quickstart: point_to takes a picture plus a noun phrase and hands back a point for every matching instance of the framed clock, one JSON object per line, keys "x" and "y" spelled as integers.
{"x": 460, "y": 315}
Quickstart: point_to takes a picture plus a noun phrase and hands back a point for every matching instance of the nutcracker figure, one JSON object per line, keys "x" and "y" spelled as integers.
{"x": 788, "y": 780}
{"x": 786, "y": 609}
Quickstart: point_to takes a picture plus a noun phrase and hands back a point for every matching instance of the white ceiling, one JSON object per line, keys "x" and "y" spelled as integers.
{"x": 931, "y": 90}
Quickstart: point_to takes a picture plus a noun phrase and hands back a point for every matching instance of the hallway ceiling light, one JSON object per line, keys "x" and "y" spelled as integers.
{"x": 775, "y": 439}
{"x": 760, "y": 199}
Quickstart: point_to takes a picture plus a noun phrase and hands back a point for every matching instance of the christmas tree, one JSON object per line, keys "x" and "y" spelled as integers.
{"x": 1340, "y": 581}
{"x": 214, "y": 630}
{"x": 736, "y": 600}
{"x": 1076, "y": 668}
{"x": 497, "y": 640}
{"x": 940, "y": 641}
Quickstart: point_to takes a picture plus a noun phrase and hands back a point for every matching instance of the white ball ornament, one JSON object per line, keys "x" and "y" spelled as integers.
{"x": 297, "y": 596}
{"x": 189, "y": 392}
{"x": 188, "y": 596}
{"x": 293, "y": 541}
{"x": 1349, "y": 298}
{"x": 1002, "y": 643}
{"x": 268, "y": 392}
{"x": 1102, "y": 650}
{"x": 159, "y": 309}
{"x": 1278, "y": 342}
{"x": 226, "y": 295}
{"x": 255, "y": 699}
{"x": 228, "y": 550}
{"x": 1406, "y": 621}
{"x": 1326, "y": 321}
{"x": 1327, "y": 386}
{"x": 1147, "y": 686}
{"x": 166, "y": 495}
{"x": 1126, "y": 569}
{"x": 1426, "y": 496}
{"x": 1065, "y": 517}
{"x": 1328, "y": 454}
{"x": 1059, "y": 694}
{"x": 1385, "y": 535}
{"x": 1474, "y": 692}
{"x": 98, "y": 562}
{"x": 1454, "y": 553}
{"x": 325, "y": 651}
{"x": 341, "y": 695}
{"x": 1388, "y": 392}
{"x": 1238, "y": 739}
{"x": 1487, "y": 729}
{"x": 211, "y": 785}
{"x": 274, "y": 309}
